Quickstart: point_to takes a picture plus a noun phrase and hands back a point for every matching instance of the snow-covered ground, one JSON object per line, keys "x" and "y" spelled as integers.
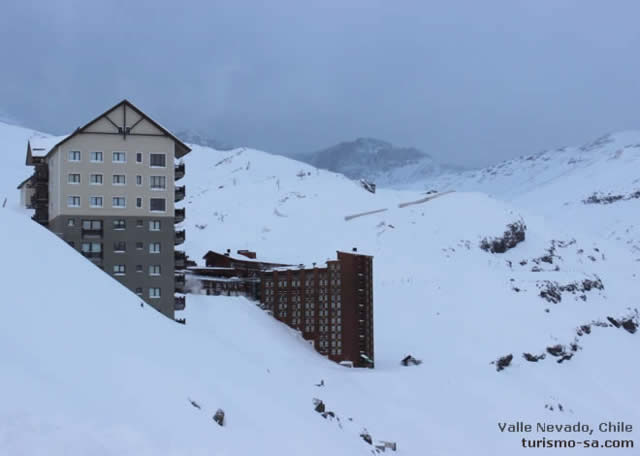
{"x": 88, "y": 371}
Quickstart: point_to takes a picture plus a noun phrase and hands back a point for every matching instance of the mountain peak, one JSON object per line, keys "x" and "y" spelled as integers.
{"x": 374, "y": 159}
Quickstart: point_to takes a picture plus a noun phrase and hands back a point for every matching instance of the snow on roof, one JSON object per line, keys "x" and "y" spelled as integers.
{"x": 41, "y": 145}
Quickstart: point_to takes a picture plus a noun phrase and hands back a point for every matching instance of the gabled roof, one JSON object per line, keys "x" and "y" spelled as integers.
{"x": 48, "y": 145}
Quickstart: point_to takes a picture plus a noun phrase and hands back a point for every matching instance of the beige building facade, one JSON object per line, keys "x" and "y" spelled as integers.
{"x": 109, "y": 190}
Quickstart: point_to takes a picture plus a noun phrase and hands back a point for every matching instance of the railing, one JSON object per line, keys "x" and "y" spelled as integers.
{"x": 179, "y": 215}
{"x": 180, "y": 303}
{"x": 88, "y": 233}
{"x": 180, "y": 193}
{"x": 180, "y": 259}
{"x": 92, "y": 254}
{"x": 180, "y": 237}
{"x": 179, "y": 171}
{"x": 180, "y": 282}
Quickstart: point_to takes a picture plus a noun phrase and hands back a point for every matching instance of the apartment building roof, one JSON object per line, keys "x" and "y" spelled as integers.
{"x": 43, "y": 146}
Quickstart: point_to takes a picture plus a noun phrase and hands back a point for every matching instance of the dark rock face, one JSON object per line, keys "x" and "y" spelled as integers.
{"x": 514, "y": 235}
{"x": 599, "y": 198}
{"x": 503, "y": 362}
{"x": 319, "y": 405}
{"x": 219, "y": 417}
{"x": 410, "y": 361}
{"x": 552, "y": 291}
{"x": 555, "y": 350}
{"x": 366, "y": 437}
{"x": 533, "y": 358}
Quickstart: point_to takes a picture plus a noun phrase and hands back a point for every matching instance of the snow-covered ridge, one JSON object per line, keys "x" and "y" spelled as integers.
{"x": 437, "y": 296}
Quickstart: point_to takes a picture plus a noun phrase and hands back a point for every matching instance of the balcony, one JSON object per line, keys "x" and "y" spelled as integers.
{"x": 179, "y": 215}
{"x": 41, "y": 216}
{"x": 180, "y": 303}
{"x": 179, "y": 171}
{"x": 180, "y": 193}
{"x": 92, "y": 233}
{"x": 180, "y": 283}
{"x": 92, "y": 255}
{"x": 180, "y": 237}
{"x": 180, "y": 259}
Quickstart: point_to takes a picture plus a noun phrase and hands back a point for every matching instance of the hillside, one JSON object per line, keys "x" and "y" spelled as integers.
{"x": 76, "y": 389}
{"x": 375, "y": 160}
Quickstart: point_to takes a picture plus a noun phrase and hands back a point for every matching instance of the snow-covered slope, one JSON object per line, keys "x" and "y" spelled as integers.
{"x": 92, "y": 371}
{"x": 375, "y": 160}
{"x": 560, "y": 184}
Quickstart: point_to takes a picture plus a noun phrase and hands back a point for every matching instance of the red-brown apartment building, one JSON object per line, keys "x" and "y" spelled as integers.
{"x": 331, "y": 305}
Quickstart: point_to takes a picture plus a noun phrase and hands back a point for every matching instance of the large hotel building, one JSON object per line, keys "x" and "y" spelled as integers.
{"x": 331, "y": 305}
{"x": 109, "y": 190}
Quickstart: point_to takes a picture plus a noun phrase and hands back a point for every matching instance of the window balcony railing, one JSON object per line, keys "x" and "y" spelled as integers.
{"x": 180, "y": 237}
{"x": 180, "y": 193}
{"x": 179, "y": 215}
{"x": 92, "y": 233}
{"x": 180, "y": 259}
{"x": 179, "y": 171}
{"x": 180, "y": 283}
{"x": 180, "y": 303}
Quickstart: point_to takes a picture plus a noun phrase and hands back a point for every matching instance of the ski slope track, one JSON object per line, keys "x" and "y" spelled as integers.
{"x": 88, "y": 370}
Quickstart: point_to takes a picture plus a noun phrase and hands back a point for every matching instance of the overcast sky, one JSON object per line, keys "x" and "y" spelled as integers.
{"x": 470, "y": 82}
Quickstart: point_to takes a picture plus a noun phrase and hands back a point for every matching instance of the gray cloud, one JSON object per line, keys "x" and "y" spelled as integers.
{"x": 470, "y": 82}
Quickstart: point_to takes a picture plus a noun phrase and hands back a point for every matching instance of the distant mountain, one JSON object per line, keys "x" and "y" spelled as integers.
{"x": 201, "y": 139}
{"x": 375, "y": 160}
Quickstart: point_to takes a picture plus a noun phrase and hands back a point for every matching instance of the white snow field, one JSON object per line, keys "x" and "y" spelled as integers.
{"x": 87, "y": 370}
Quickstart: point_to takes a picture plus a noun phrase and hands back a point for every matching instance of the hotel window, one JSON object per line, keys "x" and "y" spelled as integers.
{"x": 119, "y": 157}
{"x": 158, "y": 182}
{"x": 154, "y": 292}
{"x": 138, "y": 268}
{"x": 139, "y": 291}
{"x": 91, "y": 247}
{"x": 94, "y": 225}
{"x": 157, "y": 160}
{"x": 120, "y": 246}
{"x": 95, "y": 179}
{"x": 119, "y": 202}
{"x": 139, "y": 245}
{"x": 154, "y": 270}
{"x": 139, "y": 157}
{"x": 74, "y": 178}
{"x": 96, "y": 157}
{"x": 119, "y": 224}
{"x": 139, "y": 223}
{"x": 119, "y": 179}
{"x": 71, "y": 222}
{"x": 73, "y": 201}
{"x": 154, "y": 247}
{"x": 157, "y": 204}
{"x": 154, "y": 225}
{"x": 95, "y": 201}
{"x": 138, "y": 180}
{"x": 119, "y": 269}
{"x": 74, "y": 155}
{"x": 138, "y": 202}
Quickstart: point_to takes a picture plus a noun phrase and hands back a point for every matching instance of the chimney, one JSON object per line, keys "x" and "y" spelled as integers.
{"x": 314, "y": 265}
{"x": 355, "y": 249}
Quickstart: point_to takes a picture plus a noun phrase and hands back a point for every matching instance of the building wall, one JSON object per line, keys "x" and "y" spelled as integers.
{"x": 60, "y": 167}
{"x": 134, "y": 257}
{"x": 26, "y": 192}
{"x": 331, "y": 306}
